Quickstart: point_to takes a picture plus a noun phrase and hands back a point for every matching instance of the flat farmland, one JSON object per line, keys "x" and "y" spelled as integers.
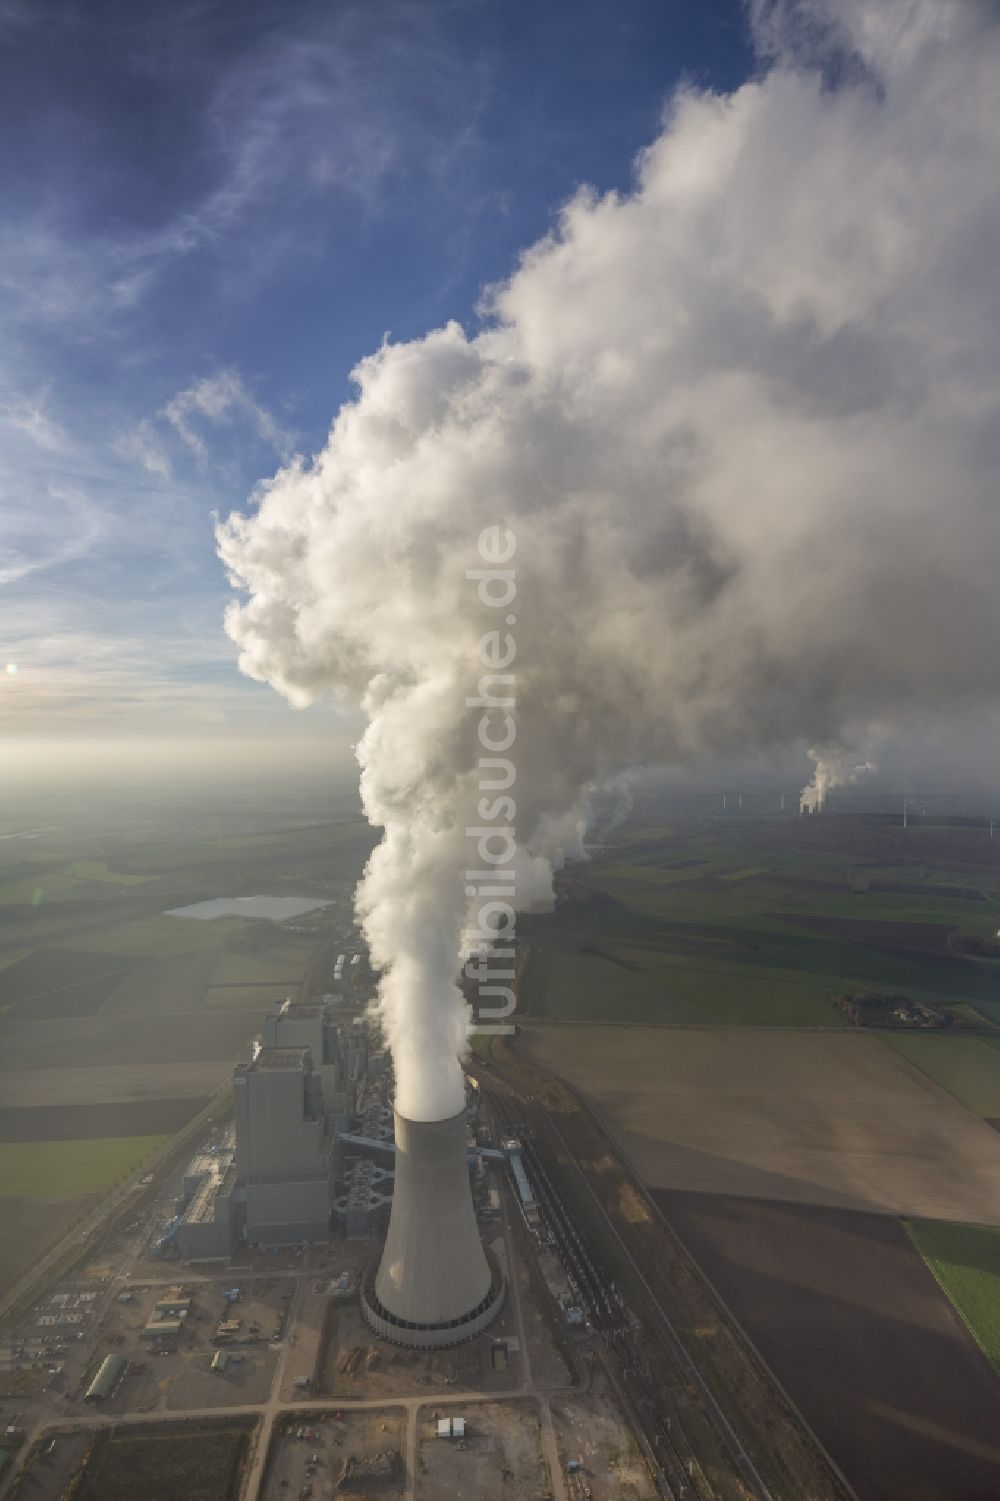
{"x": 117, "y": 1023}
{"x": 110, "y": 1083}
{"x": 729, "y": 925}
{"x": 177, "y": 983}
{"x": 43, "y": 1169}
{"x": 843, "y": 1309}
{"x": 830, "y": 1118}
{"x": 50, "y": 978}
{"x": 166, "y": 1038}
{"x": 966, "y": 1067}
{"x": 63, "y": 1122}
{"x": 29, "y": 1223}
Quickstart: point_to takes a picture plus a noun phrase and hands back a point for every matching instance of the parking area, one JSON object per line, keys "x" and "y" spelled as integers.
{"x": 195, "y": 1344}
{"x": 49, "y": 1348}
{"x": 320, "y": 1455}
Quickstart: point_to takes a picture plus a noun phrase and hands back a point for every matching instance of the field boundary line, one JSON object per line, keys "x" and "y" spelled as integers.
{"x": 585, "y": 1105}
{"x": 994, "y": 1367}
{"x": 927, "y": 1081}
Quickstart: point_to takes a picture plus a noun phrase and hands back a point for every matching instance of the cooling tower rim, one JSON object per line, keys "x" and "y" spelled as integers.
{"x": 426, "y": 1127}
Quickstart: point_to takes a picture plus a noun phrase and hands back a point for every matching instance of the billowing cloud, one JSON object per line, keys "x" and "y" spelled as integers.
{"x": 742, "y": 425}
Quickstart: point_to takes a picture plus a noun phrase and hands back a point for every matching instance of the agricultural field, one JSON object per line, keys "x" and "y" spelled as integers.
{"x": 100, "y": 870}
{"x": 965, "y": 1259}
{"x": 98, "y": 1118}
{"x": 30, "y": 1223}
{"x": 965, "y": 1066}
{"x": 730, "y": 924}
{"x": 200, "y": 1464}
{"x": 118, "y": 1023}
{"x": 44, "y": 1169}
{"x": 817, "y": 1117}
{"x": 846, "y": 1314}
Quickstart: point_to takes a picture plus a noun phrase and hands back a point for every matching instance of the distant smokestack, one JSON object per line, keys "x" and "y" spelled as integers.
{"x": 434, "y": 1285}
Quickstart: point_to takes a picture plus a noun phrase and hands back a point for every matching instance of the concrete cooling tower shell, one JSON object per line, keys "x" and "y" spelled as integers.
{"x": 435, "y": 1284}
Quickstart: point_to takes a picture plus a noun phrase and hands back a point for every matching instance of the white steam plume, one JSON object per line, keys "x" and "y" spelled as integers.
{"x": 742, "y": 423}
{"x": 833, "y": 768}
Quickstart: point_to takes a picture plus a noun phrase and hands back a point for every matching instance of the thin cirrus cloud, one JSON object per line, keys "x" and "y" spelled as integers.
{"x": 196, "y": 423}
{"x": 30, "y": 419}
{"x": 221, "y": 400}
{"x": 66, "y": 526}
{"x": 331, "y": 106}
{"x": 110, "y": 594}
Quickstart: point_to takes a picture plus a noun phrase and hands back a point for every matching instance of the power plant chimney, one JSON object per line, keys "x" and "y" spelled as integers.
{"x": 435, "y": 1285}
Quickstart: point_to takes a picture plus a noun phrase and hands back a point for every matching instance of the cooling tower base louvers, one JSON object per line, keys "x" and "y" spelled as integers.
{"x": 434, "y": 1285}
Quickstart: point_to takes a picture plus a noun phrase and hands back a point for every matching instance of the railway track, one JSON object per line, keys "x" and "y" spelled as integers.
{"x": 605, "y": 1310}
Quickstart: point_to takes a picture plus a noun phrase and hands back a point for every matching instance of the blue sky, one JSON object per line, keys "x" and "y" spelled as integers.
{"x": 210, "y": 212}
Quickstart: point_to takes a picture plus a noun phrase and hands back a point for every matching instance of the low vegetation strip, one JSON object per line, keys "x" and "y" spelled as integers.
{"x": 965, "y": 1259}
{"x": 50, "y": 1169}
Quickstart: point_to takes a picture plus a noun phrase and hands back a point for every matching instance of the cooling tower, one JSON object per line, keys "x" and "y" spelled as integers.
{"x": 435, "y": 1285}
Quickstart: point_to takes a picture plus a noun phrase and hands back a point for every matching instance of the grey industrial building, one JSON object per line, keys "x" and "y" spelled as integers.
{"x": 310, "y": 1024}
{"x": 282, "y": 1147}
{"x": 275, "y": 1189}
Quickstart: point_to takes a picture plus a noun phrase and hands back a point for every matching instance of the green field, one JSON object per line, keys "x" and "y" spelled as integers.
{"x": 966, "y": 1067}
{"x": 161, "y": 937}
{"x": 965, "y": 1259}
{"x": 98, "y": 870}
{"x": 672, "y": 989}
{"x": 33, "y": 889}
{"x": 53, "y": 1168}
{"x": 720, "y": 928}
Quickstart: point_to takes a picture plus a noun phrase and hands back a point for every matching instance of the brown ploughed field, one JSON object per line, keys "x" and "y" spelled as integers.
{"x": 844, "y": 1310}
{"x": 833, "y": 1118}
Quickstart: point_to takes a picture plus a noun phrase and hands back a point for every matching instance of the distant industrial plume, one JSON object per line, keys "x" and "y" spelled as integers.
{"x": 741, "y": 424}
{"x": 834, "y": 768}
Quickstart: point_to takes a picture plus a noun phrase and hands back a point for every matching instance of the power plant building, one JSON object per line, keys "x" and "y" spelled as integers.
{"x": 282, "y": 1147}
{"x": 309, "y": 1024}
{"x": 275, "y": 1188}
{"x": 435, "y": 1284}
